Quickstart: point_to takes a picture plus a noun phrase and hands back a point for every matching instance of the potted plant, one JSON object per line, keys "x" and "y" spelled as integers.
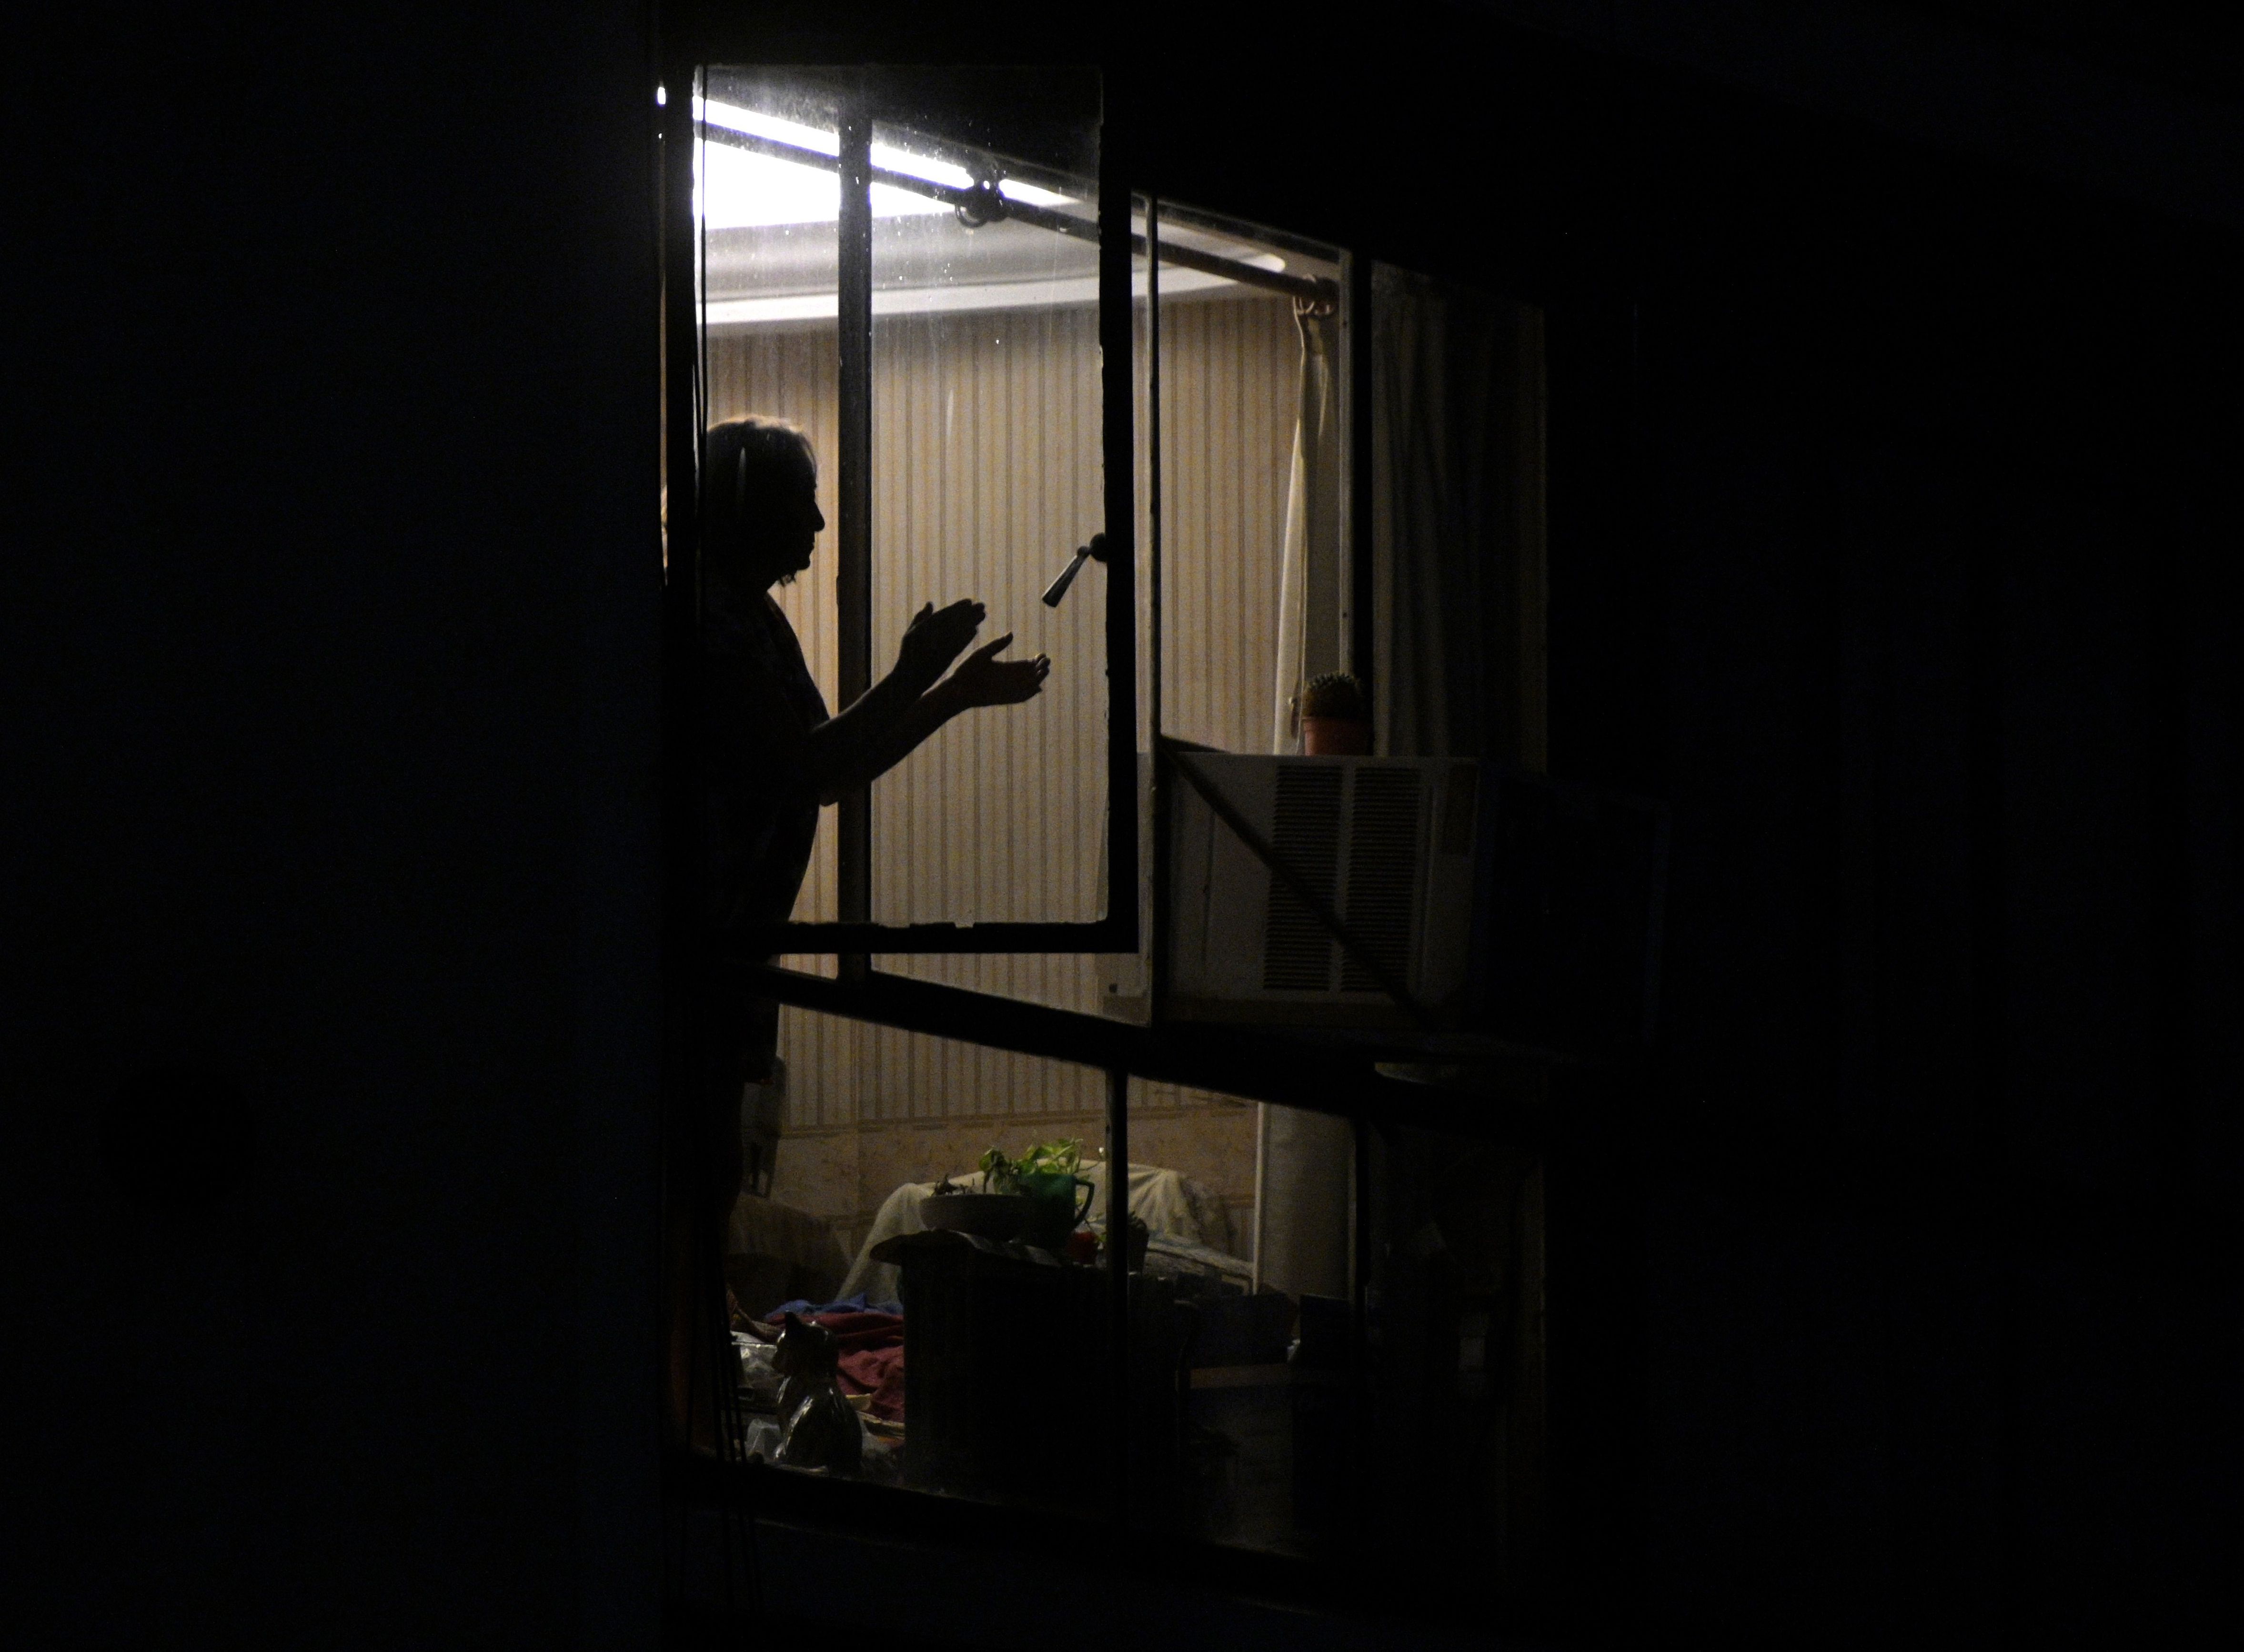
{"x": 1032, "y": 1198}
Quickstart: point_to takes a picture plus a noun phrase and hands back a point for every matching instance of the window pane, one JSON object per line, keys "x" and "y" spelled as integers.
{"x": 1271, "y": 1411}
{"x": 964, "y": 1361}
{"x": 987, "y": 440}
{"x": 987, "y": 476}
{"x": 1253, "y": 549}
{"x": 1451, "y": 1439}
{"x": 770, "y": 286}
{"x": 1243, "y": 1359}
{"x": 1252, "y": 555}
{"x": 1076, "y": 981}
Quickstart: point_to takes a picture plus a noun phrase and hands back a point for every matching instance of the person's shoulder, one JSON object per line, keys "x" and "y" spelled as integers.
{"x": 782, "y": 647}
{"x": 743, "y": 630}
{"x": 776, "y": 625}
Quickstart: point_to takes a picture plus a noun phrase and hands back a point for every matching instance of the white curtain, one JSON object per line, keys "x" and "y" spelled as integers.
{"x": 1457, "y": 617}
{"x": 1312, "y": 575}
{"x": 1305, "y": 1184}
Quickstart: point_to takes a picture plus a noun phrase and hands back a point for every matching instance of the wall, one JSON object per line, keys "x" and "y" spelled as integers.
{"x": 330, "y": 637}
{"x": 985, "y": 470}
{"x": 1890, "y": 489}
{"x": 1921, "y": 563}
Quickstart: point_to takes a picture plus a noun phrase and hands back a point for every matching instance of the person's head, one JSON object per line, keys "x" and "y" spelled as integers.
{"x": 760, "y": 516}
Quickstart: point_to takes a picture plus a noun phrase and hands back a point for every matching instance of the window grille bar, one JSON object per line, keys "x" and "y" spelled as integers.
{"x": 1157, "y": 949}
{"x": 1356, "y": 326}
{"x": 853, "y": 578}
{"x": 1117, "y": 387}
{"x": 989, "y": 205}
{"x": 1111, "y": 934}
{"x": 1338, "y": 1075}
{"x": 1117, "y": 1337}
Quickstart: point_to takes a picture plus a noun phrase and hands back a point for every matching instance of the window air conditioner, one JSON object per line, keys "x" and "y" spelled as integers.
{"x": 1504, "y": 903}
{"x": 1387, "y": 842}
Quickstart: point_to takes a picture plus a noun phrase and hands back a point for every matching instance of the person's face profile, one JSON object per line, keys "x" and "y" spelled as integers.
{"x": 784, "y": 527}
{"x": 799, "y": 521}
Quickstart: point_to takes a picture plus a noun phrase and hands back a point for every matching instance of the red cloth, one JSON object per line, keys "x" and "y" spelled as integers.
{"x": 869, "y": 1350}
{"x": 861, "y": 1330}
{"x": 880, "y": 1372}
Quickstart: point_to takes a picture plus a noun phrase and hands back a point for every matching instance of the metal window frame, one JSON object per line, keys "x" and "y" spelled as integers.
{"x": 855, "y": 936}
{"x": 1343, "y": 1077}
{"x": 985, "y": 200}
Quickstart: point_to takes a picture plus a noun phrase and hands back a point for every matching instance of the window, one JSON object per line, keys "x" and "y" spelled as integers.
{"x": 1321, "y": 1333}
{"x": 935, "y": 314}
{"x": 934, "y": 303}
{"x": 1332, "y": 1330}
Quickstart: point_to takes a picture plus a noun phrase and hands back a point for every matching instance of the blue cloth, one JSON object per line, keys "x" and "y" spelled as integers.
{"x": 855, "y": 1304}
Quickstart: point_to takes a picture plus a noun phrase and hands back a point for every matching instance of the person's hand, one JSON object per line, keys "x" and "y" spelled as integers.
{"x": 934, "y": 639}
{"x": 984, "y": 679}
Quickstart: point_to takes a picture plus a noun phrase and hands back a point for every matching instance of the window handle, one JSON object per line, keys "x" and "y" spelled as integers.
{"x": 1095, "y": 551}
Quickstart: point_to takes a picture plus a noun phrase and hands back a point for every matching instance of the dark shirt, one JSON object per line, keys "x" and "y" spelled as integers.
{"x": 762, "y": 803}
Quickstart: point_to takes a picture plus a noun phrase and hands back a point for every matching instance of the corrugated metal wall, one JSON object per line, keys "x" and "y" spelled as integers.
{"x": 987, "y": 474}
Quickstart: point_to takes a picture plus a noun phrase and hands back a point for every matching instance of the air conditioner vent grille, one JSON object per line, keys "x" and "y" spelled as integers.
{"x": 1297, "y": 953}
{"x": 1382, "y": 872}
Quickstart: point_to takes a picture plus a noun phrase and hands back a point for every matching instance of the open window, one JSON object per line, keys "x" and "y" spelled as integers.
{"x": 1208, "y": 467}
{"x": 1018, "y": 381}
{"x": 1327, "y": 1340}
{"x": 921, "y": 271}
{"x": 1273, "y": 515}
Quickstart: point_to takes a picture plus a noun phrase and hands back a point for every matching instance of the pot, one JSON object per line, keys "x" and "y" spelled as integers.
{"x": 986, "y": 1215}
{"x": 1058, "y": 1202}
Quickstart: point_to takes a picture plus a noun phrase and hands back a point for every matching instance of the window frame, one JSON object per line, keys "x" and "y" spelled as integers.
{"x": 854, "y": 935}
{"x": 1246, "y": 1063}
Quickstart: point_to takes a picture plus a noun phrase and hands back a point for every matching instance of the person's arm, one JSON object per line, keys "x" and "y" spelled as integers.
{"x": 983, "y": 680}
{"x": 840, "y": 751}
{"x": 892, "y": 718}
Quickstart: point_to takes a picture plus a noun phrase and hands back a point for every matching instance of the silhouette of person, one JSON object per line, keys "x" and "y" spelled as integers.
{"x": 773, "y": 755}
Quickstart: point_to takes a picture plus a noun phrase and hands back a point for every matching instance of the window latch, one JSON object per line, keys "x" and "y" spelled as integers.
{"x": 1095, "y": 551}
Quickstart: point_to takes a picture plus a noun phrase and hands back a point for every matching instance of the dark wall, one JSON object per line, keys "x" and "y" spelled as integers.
{"x": 329, "y": 602}
{"x": 1893, "y": 494}
{"x": 1934, "y": 504}
{"x": 1938, "y": 502}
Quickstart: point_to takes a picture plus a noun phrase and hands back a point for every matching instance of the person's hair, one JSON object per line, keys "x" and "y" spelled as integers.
{"x": 745, "y": 462}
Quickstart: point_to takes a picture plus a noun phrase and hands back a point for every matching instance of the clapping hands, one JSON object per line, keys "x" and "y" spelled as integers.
{"x": 984, "y": 679}
{"x": 936, "y": 636}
